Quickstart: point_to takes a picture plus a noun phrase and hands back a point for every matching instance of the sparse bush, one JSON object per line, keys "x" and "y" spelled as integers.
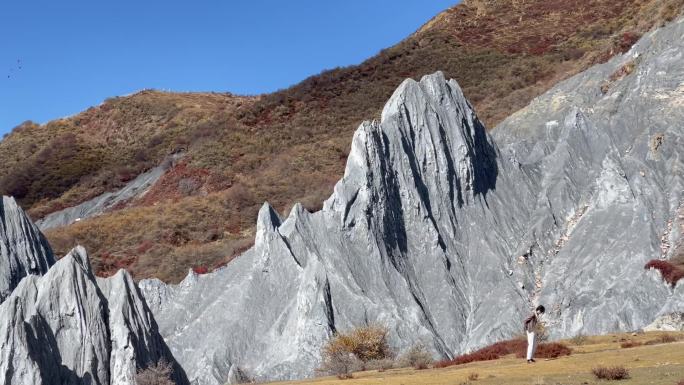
{"x": 663, "y": 339}
{"x": 627, "y": 40}
{"x": 338, "y": 360}
{"x": 473, "y": 377}
{"x": 579, "y": 340}
{"x": 380, "y": 365}
{"x": 417, "y": 357}
{"x": 156, "y": 374}
{"x": 611, "y": 373}
{"x": 369, "y": 343}
{"x": 348, "y": 352}
{"x": 668, "y": 338}
{"x": 630, "y": 344}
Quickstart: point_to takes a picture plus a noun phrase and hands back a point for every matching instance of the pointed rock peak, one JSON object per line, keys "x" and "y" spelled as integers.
{"x": 23, "y": 248}
{"x": 268, "y": 219}
{"x": 297, "y": 214}
{"x": 432, "y": 89}
{"x": 79, "y": 256}
{"x": 8, "y": 203}
{"x": 297, "y": 211}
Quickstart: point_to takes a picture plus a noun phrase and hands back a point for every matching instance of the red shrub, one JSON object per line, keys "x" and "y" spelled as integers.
{"x": 670, "y": 273}
{"x": 627, "y": 40}
{"x": 200, "y": 270}
{"x": 504, "y": 348}
{"x": 681, "y": 382}
{"x": 663, "y": 339}
{"x": 145, "y": 246}
{"x": 548, "y": 350}
{"x": 630, "y": 344}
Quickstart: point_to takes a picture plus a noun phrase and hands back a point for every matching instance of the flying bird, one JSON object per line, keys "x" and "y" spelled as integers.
{"x": 18, "y": 67}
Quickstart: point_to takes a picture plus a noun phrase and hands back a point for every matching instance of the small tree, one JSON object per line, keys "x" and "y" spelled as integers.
{"x": 155, "y": 374}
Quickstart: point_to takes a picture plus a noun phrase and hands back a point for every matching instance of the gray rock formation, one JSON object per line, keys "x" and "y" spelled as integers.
{"x": 667, "y": 322}
{"x": 67, "y": 327}
{"x": 605, "y": 151}
{"x": 449, "y": 236}
{"x": 23, "y": 249}
{"x": 136, "y": 188}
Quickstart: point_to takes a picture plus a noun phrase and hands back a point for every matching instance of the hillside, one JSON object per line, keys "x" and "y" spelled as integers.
{"x": 660, "y": 364}
{"x": 291, "y": 145}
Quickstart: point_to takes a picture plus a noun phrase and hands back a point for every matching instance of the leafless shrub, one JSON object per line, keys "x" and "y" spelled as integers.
{"x": 380, "y": 365}
{"x": 418, "y": 357}
{"x": 338, "y": 360}
{"x": 579, "y": 340}
{"x": 155, "y": 374}
{"x": 610, "y": 373}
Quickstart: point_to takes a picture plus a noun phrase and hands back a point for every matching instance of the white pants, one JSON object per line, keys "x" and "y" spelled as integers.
{"x": 531, "y": 344}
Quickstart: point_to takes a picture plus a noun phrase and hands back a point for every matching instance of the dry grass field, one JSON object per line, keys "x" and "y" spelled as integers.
{"x": 650, "y": 362}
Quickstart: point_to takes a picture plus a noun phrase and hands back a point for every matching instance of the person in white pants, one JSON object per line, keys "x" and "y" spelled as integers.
{"x": 531, "y": 330}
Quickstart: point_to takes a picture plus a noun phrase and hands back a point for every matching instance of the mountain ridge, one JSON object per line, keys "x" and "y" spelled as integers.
{"x": 290, "y": 145}
{"x": 447, "y": 234}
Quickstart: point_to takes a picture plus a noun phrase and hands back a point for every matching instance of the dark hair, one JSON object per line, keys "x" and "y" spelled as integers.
{"x": 541, "y": 308}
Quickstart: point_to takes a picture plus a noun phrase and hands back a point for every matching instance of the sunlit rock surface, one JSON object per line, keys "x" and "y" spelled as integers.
{"x": 65, "y": 327}
{"x": 23, "y": 249}
{"x": 449, "y": 236}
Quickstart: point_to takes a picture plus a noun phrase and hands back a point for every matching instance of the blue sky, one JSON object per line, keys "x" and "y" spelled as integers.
{"x": 60, "y": 57}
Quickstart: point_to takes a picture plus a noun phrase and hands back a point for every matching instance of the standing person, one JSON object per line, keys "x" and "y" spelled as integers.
{"x": 531, "y": 330}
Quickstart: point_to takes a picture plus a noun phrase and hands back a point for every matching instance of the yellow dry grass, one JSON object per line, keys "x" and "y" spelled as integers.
{"x": 659, "y": 364}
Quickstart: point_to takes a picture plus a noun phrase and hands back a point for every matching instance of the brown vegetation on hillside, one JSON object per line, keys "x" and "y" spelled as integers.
{"x": 290, "y": 145}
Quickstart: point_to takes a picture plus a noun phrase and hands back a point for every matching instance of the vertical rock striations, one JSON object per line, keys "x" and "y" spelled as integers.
{"x": 23, "y": 249}
{"x": 61, "y": 328}
{"x": 402, "y": 241}
{"x": 448, "y": 236}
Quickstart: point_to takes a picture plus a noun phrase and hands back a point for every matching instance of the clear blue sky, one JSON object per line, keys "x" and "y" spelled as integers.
{"x": 63, "y": 56}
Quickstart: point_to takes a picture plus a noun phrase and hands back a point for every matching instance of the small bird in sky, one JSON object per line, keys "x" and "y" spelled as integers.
{"x": 12, "y": 69}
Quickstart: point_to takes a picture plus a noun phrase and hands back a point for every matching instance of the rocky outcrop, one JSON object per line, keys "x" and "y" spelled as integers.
{"x": 100, "y": 204}
{"x": 449, "y": 236}
{"x": 667, "y": 322}
{"x": 67, "y": 327}
{"x": 23, "y": 249}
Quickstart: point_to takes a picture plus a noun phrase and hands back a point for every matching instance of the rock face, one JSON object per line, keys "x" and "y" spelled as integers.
{"x": 667, "y": 322}
{"x": 104, "y": 202}
{"x": 449, "y": 236}
{"x": 23, "y": 249}
{"x": 67, "y": 327}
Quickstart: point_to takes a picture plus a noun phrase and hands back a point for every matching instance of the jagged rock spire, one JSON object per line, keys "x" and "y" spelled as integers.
{"x": 449, "y": 237}
{"x": 23, "y": 248}
{"x": 64, "y": 327}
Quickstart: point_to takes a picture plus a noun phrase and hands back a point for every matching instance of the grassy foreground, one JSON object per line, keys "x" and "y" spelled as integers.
{"x": 660, "y": 364}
